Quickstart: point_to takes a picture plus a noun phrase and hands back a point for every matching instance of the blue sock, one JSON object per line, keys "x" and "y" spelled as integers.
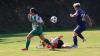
{"x": 75, "y": 40}
{"x": 27, "y": 43}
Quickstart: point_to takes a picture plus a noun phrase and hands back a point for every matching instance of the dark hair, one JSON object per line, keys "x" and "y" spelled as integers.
{"x": 33, "y": 10}
{"x": 77, "y": 6}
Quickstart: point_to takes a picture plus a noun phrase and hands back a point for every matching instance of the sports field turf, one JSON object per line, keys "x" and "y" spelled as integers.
{"x": 10, "y": 45}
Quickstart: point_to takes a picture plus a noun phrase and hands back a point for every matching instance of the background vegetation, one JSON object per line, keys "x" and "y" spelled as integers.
{"x": 13, "y": 13}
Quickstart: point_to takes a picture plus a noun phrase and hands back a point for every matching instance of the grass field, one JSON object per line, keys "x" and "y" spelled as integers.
{"x": 10, "y": 45}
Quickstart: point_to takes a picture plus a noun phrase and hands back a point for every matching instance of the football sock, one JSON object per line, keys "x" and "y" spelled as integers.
{"x": 75, "y": 40}
{"x": 27, "y": 43}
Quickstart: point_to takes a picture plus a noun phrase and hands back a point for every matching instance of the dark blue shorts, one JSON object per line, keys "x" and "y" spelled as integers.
{"x": 79, "y": 29}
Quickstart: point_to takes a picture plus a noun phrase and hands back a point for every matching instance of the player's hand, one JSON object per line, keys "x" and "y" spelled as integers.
{"x": 71, "y": 15}
{"x": 29, "y": 13}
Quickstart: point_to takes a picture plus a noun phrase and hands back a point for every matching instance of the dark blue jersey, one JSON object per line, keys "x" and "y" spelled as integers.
{"x": 79, "y": 17}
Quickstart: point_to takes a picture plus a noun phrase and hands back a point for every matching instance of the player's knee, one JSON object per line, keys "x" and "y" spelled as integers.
{"x": 42, "y": 37}
{"x": 28, "y": 37}
{"x": 75, "y": 34}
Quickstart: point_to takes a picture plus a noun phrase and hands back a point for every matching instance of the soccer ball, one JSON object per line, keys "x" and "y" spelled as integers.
{"x": 53, "y": 19}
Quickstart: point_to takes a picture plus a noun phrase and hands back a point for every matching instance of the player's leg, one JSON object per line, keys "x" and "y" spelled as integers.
{"x": 76, "y": 30}
{"x": 82, "y": 37}
{"x": 80, "y": 31}
{"x": 28, "y": 38}
{"x": 75, "y": 39}
{"x": 75, "y": 45}
{"x": 45, "y": 40}
{"x": 40, "y": 34}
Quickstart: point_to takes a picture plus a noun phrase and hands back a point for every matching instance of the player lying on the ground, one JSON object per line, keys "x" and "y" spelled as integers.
{"x": 56, "y": 42}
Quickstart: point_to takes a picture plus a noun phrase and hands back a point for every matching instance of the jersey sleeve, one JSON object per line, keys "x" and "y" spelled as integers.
{"x": 30, "y": 17}
{"x": 39, "y": 20}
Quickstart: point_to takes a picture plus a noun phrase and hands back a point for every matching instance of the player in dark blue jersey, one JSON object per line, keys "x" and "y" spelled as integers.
{"x": 81, "y": 23}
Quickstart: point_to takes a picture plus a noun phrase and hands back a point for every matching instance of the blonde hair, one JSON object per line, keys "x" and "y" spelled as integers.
{"x": 76, "y": 4}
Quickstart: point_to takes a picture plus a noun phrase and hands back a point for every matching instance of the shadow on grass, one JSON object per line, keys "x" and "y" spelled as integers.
{"x": 4, "y": 38}
{"x": 94, "y": 47}
{"x": 55, "y": 50}
{"x": 3, "y": 41}
{"x": 12, "y": 35}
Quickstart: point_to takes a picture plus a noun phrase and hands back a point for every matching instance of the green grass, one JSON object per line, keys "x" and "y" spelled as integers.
{"x": 10, "y": 45}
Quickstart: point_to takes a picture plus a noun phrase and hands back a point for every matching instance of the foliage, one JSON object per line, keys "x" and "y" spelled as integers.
{"x": 13, "y": 13}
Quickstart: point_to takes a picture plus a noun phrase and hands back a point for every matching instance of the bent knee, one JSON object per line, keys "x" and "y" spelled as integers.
{"x": 29, "y": 37}
{"x": 75, "y": 34}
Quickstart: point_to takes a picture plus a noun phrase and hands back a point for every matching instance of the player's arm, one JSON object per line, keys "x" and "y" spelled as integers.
{"x": 29, "y": 17}
{"x": 74, "y": 15}
{"x": 88, "y": 19}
